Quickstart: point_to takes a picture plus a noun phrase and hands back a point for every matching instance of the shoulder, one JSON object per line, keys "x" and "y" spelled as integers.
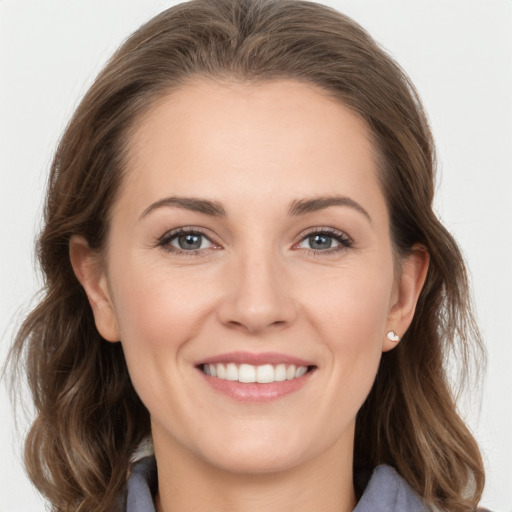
{"x": 387, "y": 491}
{"x": 141, "y": 486}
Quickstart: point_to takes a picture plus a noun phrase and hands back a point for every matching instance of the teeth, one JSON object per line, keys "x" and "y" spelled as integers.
{"x": 248, "y": 373}
{"x": 221, "y": 371}
{"x": 231, "y": 372}
{"x": 299, "y": 372}
{"x": 280, "y": 373}
{"x": 290, "y": 372}
{"x": 265, "y": 374}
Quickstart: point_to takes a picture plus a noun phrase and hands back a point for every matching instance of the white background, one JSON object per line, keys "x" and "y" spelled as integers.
{"x": 459, "y": 55}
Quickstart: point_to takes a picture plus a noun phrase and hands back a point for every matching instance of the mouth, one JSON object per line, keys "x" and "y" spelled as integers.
{"x": 256, "y": 378}
{"x": 262, "y": 374}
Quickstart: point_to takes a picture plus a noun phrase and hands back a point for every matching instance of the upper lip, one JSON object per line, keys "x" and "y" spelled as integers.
{"x": 255, "y": 359}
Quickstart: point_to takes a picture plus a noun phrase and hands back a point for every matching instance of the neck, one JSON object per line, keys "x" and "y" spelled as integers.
{"x": 187, "y": 483}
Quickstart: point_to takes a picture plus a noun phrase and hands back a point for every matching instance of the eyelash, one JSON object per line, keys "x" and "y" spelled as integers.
{"x": 165, "y": 241}
{"x": 344, "y": 241}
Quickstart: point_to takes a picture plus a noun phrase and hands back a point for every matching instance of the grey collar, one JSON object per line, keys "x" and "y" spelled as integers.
{"x": 386, "y": 491}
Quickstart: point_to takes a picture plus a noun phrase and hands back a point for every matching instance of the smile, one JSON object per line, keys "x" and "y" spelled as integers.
{"x": 248, "y": 373}
{"x": 256, "y": 378}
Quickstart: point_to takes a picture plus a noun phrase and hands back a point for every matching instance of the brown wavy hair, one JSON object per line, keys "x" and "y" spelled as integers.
{"x": 89, "y": 418}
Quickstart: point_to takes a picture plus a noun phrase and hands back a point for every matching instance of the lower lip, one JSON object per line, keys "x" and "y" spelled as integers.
{"x": 254, "y": 391}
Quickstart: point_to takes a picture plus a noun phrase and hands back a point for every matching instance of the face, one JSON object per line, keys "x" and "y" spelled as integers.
{"x": 250, "y": 240}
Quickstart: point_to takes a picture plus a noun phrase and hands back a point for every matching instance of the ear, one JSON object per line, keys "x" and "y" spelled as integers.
{"x": 89, "y": 270}
{"x": 405, "y": 296}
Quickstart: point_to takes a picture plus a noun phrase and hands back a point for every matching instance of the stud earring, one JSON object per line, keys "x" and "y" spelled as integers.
{"x": 392, "y": 336}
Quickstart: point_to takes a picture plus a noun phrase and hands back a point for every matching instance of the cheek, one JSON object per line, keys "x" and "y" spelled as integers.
{"x": 353, "y": 305}
{"x": 351, "y": 319}
{"x": 161, "y": 312}
{"x": 154, "y": 307}
{"x": 158, "y": 315}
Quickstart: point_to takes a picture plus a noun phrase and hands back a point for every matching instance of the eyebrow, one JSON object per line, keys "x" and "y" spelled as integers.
{"x": 296, "y": 207}
{"x": 194, "y": 204}
{"x": 303, "y": 206}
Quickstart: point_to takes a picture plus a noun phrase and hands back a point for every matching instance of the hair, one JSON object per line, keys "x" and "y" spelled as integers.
{"x": 89, "y": 419}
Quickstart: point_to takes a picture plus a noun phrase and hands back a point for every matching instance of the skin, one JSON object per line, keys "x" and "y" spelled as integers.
{"x": 256, "y": 285}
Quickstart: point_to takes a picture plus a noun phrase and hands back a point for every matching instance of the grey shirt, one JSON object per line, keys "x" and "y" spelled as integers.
{"x": 386, "y": 491}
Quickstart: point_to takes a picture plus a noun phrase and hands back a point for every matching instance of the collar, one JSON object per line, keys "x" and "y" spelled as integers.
{"x": 386, "y": 490}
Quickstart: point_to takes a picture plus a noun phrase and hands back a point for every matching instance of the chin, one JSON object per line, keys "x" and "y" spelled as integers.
{"x": 253, "y": 462}
{"x": 259, "y": 451}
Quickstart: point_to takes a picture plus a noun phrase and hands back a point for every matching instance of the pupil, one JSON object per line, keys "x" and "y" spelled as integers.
{"x": 320, "y": 242}
{"x": 189, "y": 241}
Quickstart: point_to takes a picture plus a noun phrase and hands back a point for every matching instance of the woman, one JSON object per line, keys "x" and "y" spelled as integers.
{"x": 242, "y": 265}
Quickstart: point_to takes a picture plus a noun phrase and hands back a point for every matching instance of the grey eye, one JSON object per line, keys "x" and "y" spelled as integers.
{"x": 189, "y": 241}
{"x": 326, "y": 241}
{"x": 319, "y": 241}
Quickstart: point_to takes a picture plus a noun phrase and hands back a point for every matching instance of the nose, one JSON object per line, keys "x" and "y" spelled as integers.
{"x": 258, "y": 295}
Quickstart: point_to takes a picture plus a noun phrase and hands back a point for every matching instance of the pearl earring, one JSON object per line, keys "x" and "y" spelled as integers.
{"x": 392, "y": 336}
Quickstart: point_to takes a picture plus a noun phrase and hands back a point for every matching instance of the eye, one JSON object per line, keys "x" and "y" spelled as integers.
{"x": 185, "y": 241}
{"x": 325, "y": 240}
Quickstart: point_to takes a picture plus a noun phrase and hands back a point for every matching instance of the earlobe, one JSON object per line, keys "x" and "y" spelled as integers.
{"x": 410, "y": 283}
{"x": 89, "y": 270}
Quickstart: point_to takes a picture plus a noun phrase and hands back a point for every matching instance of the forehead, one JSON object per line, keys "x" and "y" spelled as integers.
{"x": 225, "y": 137}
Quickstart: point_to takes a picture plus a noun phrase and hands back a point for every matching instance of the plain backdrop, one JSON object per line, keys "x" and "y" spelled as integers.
{"x": 457, "y": 52}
